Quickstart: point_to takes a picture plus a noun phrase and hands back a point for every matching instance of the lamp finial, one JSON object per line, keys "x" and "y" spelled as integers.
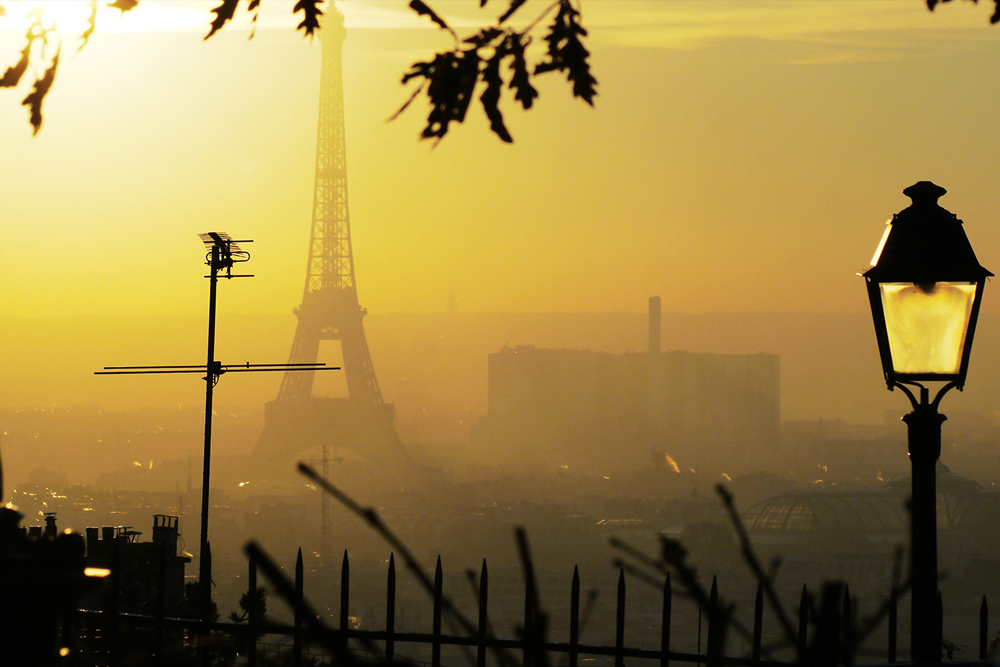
{"x": 924, "y": 192}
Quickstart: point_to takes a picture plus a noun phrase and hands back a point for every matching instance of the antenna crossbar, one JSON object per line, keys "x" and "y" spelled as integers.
{"x": 217, "y": 368}
{"x": 222, "y": 253}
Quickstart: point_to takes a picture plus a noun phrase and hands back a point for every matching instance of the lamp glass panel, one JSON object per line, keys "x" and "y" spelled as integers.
{"x": 927, "y": 324}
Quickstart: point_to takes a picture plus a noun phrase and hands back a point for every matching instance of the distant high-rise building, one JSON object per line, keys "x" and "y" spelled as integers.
{"x": 654, "y": 324}
{"x": 601, "y": 411}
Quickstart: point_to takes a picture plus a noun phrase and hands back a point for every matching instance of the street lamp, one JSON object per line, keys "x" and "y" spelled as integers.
{"x": 925, "y": 288}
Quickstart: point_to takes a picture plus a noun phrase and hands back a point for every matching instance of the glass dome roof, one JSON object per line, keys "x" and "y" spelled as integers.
{"x": 962, "y": 504}
{"x": 870, "y": 511}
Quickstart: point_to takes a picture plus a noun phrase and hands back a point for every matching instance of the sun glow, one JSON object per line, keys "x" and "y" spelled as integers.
{"x": 71, "y": 17}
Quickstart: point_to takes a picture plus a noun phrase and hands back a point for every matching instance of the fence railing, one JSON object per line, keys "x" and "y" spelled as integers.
{"x": 102, "y": 635}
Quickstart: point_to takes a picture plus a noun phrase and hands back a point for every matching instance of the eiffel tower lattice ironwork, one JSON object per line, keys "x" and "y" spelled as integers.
{"x": 296, "y": 421}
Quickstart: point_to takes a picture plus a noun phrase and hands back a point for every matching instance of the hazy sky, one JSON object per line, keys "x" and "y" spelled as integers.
{"x": 742, "y": 156}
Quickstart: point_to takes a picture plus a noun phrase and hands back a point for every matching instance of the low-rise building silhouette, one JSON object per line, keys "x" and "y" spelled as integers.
{"x": 139, "y": 570}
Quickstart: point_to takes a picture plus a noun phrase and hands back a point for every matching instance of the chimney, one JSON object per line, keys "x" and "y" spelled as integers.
{"x": 50, "y": 525}
{"x": 654, "y": 325}
{"x": 165, "y": 532}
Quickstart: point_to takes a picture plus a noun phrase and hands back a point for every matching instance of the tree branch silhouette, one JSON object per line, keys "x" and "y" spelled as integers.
{"x": 673, "y": 559}
{"x": 490, "y": 59}
{"x": 931, "y": 4}
{"x": 493, "y": 56}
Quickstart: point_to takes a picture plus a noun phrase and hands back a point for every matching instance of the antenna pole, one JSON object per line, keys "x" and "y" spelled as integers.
{"x": 204, "y": 571}
{"x": 223, "y": 253}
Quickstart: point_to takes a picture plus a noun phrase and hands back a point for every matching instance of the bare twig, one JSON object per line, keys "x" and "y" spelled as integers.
{"x": 371, "y": 517}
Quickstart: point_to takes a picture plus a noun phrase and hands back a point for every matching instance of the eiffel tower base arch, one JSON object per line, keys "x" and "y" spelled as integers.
{"x": 363, "y": 428}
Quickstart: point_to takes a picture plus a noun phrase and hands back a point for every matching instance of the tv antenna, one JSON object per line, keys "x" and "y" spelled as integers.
{"x": 223, "y": 253}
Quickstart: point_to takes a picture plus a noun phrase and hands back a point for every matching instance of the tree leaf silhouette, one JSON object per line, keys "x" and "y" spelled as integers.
{"x": 994, "y": 19}
{"x": 514, "y": 6}
{"x": 312, "y": 12}
{"x": 451, "y": 80}
{"x": 224, "y": 12}
{"x": 34, "y": 99}
{"x": 491, "y": 96}
{"x": 421, "y": 8}
{"x": 91, "y": 23}
{"x": 254, "y": 7}
{"x": 14, "y": 73}
{"x": 566, "y": 52}
{"x": 520, "y": 80}
{"x": 35, "y": 31}
{"x": 123, "y": 5}
{"x": 483, "y": 37}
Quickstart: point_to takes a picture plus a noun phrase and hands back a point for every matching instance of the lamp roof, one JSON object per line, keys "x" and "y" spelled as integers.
{"x": 926, "y": 244}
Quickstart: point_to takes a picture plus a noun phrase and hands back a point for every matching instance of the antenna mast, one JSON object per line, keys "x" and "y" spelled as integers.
{"x": 223, "y": 253}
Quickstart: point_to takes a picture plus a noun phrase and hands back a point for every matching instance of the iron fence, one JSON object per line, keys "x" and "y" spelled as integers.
{"x": 110, "y": 638}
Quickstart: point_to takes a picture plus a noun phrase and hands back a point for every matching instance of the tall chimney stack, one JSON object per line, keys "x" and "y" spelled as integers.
{"x": 654, "y": 325}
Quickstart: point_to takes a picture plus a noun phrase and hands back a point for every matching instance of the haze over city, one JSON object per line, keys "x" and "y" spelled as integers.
{"x": 741, "y": 158}
{"x": 735, "y": 173}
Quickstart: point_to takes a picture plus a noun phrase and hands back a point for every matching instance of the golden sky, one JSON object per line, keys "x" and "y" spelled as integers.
{"x": 742, "y": 156}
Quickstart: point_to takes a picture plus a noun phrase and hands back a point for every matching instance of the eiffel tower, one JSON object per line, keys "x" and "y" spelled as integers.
{"x": 296, "y": 421}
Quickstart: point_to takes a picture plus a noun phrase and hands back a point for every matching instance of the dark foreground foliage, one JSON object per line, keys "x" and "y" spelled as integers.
{"x": 484, "y": 63}
{"x": 491, "y": 59}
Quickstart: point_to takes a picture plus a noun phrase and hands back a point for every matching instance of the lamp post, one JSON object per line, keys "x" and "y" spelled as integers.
{"x": 925, "y": 287}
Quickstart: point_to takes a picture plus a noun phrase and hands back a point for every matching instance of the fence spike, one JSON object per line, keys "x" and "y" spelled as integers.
{"x": 574, "y": 618}
{"x": 529, "y": 613}
{"x": 253, "y": 614}
{"x": 827, "y": 645}
{"x": 803, "y": 624}
{"x": 436, "y": 620}
{"x": 620, "y": 622}
{"x": 700, "y": 614}
{"x": 300, "y": 595}
{"x": 285, "y": 589}
{"x": 713, "y": 643}
{"x": 939, "y": 628}
{"x": 984, "y": 618}
{"x": 758, "y": 621}
{"x": 345, "y": 599}
{"x": 482, "y": 630}
{"x": 847, "y": 625}
{"x": 390, "y": 611}
{"x": 893, "y": 622}
{"x": 665, "y": 625}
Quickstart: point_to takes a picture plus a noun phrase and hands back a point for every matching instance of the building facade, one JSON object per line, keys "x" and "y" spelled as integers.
{"x": 577, "y": 409}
